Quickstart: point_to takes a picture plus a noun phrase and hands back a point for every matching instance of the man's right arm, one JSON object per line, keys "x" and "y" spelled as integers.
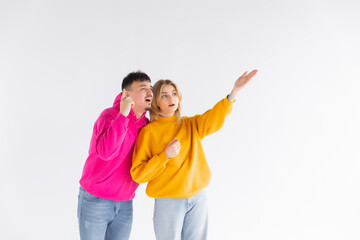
{"x": 110, "y": 134}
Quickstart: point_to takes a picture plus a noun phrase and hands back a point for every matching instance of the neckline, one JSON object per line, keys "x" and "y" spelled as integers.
{"x": 167, "y": 119}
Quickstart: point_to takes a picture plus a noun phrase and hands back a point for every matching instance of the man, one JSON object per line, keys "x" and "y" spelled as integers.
{"x": 105, "y": 208}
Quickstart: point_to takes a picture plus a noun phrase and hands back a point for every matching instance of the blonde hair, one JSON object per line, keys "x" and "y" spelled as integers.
{"x": 157, "y": 88}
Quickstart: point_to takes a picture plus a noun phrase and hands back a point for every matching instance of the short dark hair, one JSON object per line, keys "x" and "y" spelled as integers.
{"x": 134, "y": 77}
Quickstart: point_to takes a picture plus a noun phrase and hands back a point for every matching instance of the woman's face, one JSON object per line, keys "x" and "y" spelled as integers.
{"x": 169, "y": 101}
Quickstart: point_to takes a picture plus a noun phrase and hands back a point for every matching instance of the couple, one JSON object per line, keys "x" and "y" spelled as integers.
{"x": 167, "y": 153}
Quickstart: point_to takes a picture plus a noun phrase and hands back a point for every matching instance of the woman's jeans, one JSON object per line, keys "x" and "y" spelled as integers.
{"x": 176, "y": 219}
{"x": 101, "y": 219}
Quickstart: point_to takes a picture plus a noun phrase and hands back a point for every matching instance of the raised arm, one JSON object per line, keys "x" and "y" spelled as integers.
{"x": 213, "y": 119}
{"x": 110, "y": 133}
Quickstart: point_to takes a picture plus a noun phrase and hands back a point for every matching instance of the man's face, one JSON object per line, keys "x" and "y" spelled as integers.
{"x": 141, "y": 93}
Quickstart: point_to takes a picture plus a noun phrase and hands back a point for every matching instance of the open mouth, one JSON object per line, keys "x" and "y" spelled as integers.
{"x": 148, "y": 100}
{"x": 171, "y": 105}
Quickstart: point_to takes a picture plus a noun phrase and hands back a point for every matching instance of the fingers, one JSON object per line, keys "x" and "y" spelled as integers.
{"x": 173, "y": 148}
{"x": 244, "y": 74}
{"x": 128, "y": 100}
{"x": 247, "y": 77}
{"x": 126, "y": 103}
{"x": 252, "y": 74}
{"x": 124, "y": 94}
{"x": 175, "y": 144}
{"x": 172, "y": 141}
{"x": 131, "y": 102}
{"x": 177, "y": 149}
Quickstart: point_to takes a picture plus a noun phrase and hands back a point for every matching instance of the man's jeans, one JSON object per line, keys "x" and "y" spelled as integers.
{"x": 176, "y": 219}
{"x": 101, "y": 219}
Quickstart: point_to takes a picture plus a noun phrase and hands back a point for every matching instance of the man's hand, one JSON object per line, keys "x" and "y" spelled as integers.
{"x": 240, "y": 83}
{"x": 126, "y": 104}
{"x": 173, "y": 148}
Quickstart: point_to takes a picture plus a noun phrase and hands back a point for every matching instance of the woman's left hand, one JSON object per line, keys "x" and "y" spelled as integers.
{"x": 240, "y": 83}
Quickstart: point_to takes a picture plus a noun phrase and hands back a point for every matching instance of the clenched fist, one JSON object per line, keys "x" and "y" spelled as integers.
{"x": 126, "y": 104}
{"x": 173, "y": 148}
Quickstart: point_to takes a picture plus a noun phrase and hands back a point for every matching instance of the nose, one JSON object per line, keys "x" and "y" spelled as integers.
{"x": 171, "y": 97}
{"x": 149, "y": 92}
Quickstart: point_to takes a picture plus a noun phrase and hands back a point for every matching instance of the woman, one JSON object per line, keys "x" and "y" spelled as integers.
{"x": 169, "y": 156}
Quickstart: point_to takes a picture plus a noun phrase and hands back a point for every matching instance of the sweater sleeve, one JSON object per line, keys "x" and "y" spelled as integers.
{"x": 146, "y": 166}
{"x": 213, "y": 119}
{"x": 110, "y": 134}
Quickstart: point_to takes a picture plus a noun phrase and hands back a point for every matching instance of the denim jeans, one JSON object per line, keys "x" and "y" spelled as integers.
{"x": 102, "y": 218}
{"x": 185, "y": 219}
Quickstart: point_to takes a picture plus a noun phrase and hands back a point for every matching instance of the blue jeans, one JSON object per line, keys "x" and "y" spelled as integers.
{"x": 185, "y": 219}
{"x": 103, "y": 219}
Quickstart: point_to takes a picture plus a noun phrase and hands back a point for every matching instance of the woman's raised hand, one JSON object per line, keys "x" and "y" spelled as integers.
{"x": 240, "y": 83}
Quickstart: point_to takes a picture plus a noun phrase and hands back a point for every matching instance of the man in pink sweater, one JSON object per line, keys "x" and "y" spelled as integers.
{"x": 105, "y": 200}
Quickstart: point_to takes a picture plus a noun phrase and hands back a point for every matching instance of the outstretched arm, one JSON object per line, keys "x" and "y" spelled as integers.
{"x": 240, "y": 83}
{"x": 213, "y": 119}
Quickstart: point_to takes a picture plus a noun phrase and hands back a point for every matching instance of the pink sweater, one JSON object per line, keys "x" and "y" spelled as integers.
{"x": 106, "y": 173}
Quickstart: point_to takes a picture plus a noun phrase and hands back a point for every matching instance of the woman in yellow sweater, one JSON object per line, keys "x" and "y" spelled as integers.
{"x": 169, "y": 156}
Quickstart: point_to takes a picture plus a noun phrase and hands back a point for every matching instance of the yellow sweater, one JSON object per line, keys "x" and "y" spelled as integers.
{"x": 186, "y": 174}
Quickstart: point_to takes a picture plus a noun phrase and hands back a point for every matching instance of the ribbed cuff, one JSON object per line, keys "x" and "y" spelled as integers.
{"x": 163, "y": 158}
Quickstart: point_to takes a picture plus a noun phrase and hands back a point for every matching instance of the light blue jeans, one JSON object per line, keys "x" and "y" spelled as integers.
{"x": 101, "y": 219}
{"x": 185, "y": 219}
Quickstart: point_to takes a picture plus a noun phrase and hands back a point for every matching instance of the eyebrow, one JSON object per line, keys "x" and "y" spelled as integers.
{"x": 167, "y": 92}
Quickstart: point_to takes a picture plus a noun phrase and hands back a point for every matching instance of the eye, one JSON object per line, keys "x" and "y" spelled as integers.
{"x": 174, "y": 94}
{"x": 163, "y": 96}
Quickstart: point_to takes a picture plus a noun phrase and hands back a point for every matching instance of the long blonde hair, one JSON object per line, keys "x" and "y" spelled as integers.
{"x": 157, "y": 88}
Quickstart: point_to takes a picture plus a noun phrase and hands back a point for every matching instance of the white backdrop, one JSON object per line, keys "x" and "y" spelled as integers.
{"x": 286, "y": 163}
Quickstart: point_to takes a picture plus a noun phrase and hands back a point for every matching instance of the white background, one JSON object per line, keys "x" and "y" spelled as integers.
{"x": 286, "y": 163}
